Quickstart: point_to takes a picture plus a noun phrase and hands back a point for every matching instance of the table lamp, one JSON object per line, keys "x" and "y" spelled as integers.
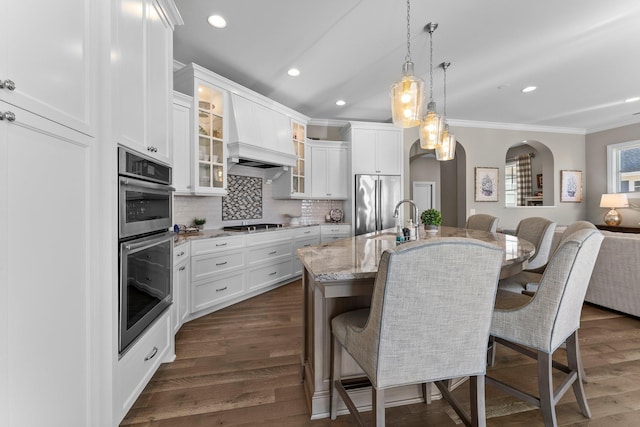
{"x": 613, "y": 201}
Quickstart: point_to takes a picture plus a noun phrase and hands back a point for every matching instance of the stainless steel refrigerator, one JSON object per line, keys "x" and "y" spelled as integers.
{"x": 375, "y": 198}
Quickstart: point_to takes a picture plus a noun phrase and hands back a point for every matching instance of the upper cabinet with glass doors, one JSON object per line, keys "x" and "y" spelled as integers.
{"x": 293, "y": 183}
{"x": 298, "y": 175}
{"x": 209, "y": 149}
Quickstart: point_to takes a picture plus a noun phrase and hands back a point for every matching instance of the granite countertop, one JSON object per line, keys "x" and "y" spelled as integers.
{"x": 181, "y": 238}
{"x": 357, "y": 257}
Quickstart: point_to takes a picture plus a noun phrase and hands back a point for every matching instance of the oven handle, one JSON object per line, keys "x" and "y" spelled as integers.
{"x": 145, "y": 184}
{"x": 147, "y": 243}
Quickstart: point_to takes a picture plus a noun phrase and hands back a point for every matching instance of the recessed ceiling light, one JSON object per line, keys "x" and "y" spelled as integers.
{"x": 217, "y": 21}
{"x": 634, "y": 99}
{"x": 340, "y": 102}
{"x": 293, "y": 72}
{"x": 529, "y": 89}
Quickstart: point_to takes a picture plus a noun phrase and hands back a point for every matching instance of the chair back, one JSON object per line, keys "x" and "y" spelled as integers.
{"x": 554, "y": 312}
{"x": 538, "y": 231}
{"x": 427, "y": 322}
{"x": 482, "y": 222}
{"x": 572, "y": 228}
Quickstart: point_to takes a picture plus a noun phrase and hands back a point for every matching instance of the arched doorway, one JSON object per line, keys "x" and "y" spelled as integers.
{"x": 449, "y": 178}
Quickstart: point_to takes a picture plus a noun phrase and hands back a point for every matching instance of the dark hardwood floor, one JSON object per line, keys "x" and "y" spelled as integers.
{"x": 241, "y": 367}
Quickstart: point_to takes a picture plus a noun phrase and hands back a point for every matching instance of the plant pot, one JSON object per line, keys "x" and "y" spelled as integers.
{"x": 430, "y": 227}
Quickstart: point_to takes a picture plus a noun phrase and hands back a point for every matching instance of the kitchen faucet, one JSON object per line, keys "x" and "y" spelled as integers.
{"x": 415, "y": 214}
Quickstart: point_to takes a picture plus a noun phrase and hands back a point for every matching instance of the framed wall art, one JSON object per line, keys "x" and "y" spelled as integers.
{"x": 486, "y": 184}
{"x": 571, "y": 186}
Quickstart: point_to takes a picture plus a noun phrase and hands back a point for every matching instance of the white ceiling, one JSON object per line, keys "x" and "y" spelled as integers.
{"x": 584, "y": 56}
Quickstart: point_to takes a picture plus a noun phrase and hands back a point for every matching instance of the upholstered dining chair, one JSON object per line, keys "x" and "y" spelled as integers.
{"x": 424, "y": 325}
{"x": 527, "y": 281}
{"x": 538, "y": 231}
{"x": 537, "y": 326}
{"x": 482, "y": 222}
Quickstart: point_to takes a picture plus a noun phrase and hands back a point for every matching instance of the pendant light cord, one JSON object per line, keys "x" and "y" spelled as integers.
{"x": 444, "y": 110}
{"x": 407, "y": 57}
{"x": 431, "y": 66}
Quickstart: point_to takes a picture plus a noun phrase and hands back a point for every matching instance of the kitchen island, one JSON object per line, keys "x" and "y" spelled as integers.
{"x": 339, "y": 277}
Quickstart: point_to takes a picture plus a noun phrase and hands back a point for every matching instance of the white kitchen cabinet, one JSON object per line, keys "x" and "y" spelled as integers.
{"x": 302, "y": 238}
{"x": 138, "y": 365}
{"x": 329, "y": 170}
{"x": 182, "y": 143}
{"x": 268, "y": 258}
{"x": 49, "y": 299}
{"x": 216, "y": 290}
{"x": 294, "y": 182}
{"x": 376, "y": 148}
{"x": 143, "y": 70}
{"x": 332, "y": 232}
{"x": 209, "y": 129}
{"x": 181, "y": 285}
{"x": 49, "y": 58}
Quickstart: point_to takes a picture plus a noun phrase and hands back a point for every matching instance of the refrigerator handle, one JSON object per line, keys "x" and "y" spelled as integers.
{"x": 379, "y": 206}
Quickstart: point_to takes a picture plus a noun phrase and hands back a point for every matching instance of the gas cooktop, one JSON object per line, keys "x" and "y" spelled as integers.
{"x": 253, "y": 227}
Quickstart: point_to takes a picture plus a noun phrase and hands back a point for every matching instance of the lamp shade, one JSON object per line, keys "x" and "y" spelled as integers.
{"x": 406, "y": 99}
{"x": 612, "y": 201}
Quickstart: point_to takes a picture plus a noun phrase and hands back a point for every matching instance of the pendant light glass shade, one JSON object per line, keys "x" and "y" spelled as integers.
{"x": 406, "y": 98}
{"x": 431, "y": 128}
{"x": 447, "y": 149}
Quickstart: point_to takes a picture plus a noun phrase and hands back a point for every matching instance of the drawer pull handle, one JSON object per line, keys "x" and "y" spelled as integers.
{"x": 222, "y": 289}
{"x": 274, "y": 273}
{"x": 182, "y": 268}
{"x": 273, "y": 253}
{"x": 307, "y": 232}
{"x": 221, "y": 244}
{"x": 221, "y": 263}
{"x": 152, "y": 354}
{"x": 181, "y": 253}
{"x": 307, "y": 245}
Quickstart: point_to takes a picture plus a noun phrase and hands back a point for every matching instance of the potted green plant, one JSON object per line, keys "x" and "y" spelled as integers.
{"x": 431, "y": 218}
{"x": 199, "y": 222}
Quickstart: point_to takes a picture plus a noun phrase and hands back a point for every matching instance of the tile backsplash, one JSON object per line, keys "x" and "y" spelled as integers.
{"x": 185, "y": 208}
{"x": 244, "y": 200}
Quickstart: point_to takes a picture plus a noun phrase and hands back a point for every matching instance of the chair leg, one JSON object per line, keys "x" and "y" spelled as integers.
{"x": 478, "y": 411}
{"x": 378, "y": 406}
{"x": 575, "y": 364}
{"x": 545, "y": 388}
{"x": 426, "y": 392}
{"x": 491, "y": 352}
{"x": 336, "y": 374}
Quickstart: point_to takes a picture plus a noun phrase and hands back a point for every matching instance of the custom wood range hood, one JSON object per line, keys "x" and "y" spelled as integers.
{"x": 259, "y": 137}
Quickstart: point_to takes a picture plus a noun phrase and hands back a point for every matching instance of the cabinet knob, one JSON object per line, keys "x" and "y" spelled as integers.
{"x": 182, "y": 268}
{"x": 8, "y": 116}
{"x": 9, "y": 84}
{"x": 152, "y": 149}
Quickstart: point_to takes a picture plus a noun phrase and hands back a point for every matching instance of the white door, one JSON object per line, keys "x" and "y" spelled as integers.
{"x": 424, "y": 194}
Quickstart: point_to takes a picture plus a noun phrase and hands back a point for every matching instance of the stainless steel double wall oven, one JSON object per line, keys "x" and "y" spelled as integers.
{"x": 146, "y": 247}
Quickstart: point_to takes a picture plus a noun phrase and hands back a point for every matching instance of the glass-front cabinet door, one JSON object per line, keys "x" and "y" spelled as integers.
{"x": 211, "y": 174}
{"x": 298, "y": 174}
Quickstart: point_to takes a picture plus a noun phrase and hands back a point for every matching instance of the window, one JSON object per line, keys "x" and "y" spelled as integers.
{"x": 623, "y": 162}
{"x": 510, "y": 185}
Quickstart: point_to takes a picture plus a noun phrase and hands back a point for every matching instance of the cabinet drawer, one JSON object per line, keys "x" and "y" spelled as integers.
{"x": 269, "y": 274}
{"x": 336, "y": 229}
{"x": 204, "y": 266}
{"x": 263, "y": 237}
{"x": 216, "y": 244}
{"x": 180, "y": 252}
{"x": 306, "y": 232}
{"x": 139, "y": 363}
{"x": 215, "y": 290}
{"x": 269, "y": 252}
{"x": 303, "y": 243}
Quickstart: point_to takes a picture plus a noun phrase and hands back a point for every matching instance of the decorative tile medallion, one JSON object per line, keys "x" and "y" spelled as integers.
{"x": 243, "y": 199}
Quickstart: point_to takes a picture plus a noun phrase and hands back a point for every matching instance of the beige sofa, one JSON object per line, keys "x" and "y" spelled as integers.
{"x": 615, "y": 281}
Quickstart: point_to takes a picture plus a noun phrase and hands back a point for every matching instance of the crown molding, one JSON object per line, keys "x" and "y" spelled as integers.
{"x": 515, "y": 126}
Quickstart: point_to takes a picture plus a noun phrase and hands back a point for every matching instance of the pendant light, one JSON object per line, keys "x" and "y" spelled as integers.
{"x": 431, "y": 124}
{"x": 407, "y": 94}
{"x": 447, "y": 148}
